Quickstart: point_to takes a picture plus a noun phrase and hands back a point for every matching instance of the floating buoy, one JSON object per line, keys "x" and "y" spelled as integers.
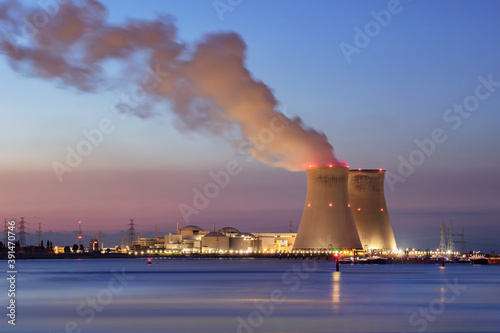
{"x": 149, "y": 261}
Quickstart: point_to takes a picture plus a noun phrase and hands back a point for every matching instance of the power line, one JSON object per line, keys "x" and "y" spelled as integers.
{"x": 461, "y": 241}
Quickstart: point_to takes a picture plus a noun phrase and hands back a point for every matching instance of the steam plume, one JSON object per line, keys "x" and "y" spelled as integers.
{"x": 208, "y": 86}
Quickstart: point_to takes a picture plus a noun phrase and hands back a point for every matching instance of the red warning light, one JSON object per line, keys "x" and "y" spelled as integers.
{"x": 348, "y": 205}
{"x": 381, "y": 209}
{"x": 330, "y": 165}
{"x": 309, "y": 205}
{"x": 79, "y": 237}
{"x": 359, "y": 169}
{"x": 359, "y": 209}
{"x": 330, "y": 204}
{"x": 380, "y": 169}
{"x": 80, "y": 222}
{"x": 310, "y": 165}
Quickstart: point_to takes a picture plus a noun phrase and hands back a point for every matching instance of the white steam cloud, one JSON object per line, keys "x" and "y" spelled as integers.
{"x": 208, "y": 86}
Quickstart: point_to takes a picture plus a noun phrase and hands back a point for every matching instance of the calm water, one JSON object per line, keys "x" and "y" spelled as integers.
{"x": 251, "y": 295}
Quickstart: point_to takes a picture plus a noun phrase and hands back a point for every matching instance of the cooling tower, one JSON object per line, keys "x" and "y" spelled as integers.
{"x": 327, "y": 221}
{"x": 366, "y": 196}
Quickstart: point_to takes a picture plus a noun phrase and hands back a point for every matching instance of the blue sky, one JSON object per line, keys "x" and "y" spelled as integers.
{"x": 395, "y": 91}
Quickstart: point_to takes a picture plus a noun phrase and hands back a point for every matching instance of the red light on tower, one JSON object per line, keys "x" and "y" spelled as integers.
{"x": 330, "y": 165}
{"x": 79, "y": 237}
{"x": 380, "y": 169}
{"x": 348, "y": 205}
{"x": 309, "y": 205}
{"x": 381, "y": 209}
{"x": 359, "y": 169}
{"x": 310, "y": 165}
{"x": 330, "y": 204}
{"x": 79, "y": 222}
{"x": 359, "y": 209}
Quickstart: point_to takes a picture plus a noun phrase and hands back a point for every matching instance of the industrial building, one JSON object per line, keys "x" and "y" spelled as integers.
{"x": 345, "y": 209}
{"x": 193, "y": 239}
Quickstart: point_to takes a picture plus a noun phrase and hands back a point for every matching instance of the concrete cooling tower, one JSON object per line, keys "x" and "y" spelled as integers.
{"x": 366, "y": 196}
{"x": 327, "y": 221}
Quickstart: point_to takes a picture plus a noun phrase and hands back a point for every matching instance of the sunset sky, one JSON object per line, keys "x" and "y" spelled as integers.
{"x": 372, "y": 105}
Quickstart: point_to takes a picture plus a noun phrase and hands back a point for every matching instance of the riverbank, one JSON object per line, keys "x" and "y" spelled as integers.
{"x": 492, "y": 260}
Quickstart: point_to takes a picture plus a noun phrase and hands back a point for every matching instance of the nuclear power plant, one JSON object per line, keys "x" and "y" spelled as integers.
{"x": 327, "y": 222}
{"x": 345, "y": 209}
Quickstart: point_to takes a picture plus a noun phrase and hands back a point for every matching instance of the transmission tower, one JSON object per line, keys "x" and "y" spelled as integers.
{"x": 79, "y": 234}
{"x": 5, "y": 233}
{"x": 442, "y": 243}
{"x": 451, "y": 245}
{"x": 22, "y": 233}
{"x": 40, "y": 234}
{"x": 131, "y": 232}
{"x": 461, "y": 241}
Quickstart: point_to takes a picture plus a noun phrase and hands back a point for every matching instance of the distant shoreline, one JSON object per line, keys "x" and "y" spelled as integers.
{"x": 389, "y": 260}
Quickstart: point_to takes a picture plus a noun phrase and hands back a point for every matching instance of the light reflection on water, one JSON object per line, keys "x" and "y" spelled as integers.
{"x": 336, "y": 290}
{"x": 258, "y": 295}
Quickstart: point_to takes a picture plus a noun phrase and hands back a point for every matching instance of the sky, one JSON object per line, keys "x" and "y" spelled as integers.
{"x": 387, "y": 94}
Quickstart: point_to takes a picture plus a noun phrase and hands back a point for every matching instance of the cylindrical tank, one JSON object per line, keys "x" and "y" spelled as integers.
{"x": 327, "y": 222}
{"x": 367, "y": 199}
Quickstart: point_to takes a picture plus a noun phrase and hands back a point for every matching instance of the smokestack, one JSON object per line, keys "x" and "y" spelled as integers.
{"x": 138, "y": 236}
{"x": 366, "y": 195}
{"x": 327, "y": 221}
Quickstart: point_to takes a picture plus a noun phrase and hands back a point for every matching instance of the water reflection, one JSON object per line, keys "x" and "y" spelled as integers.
{"x": 336, "y": 290}
{"x": 210, "y": 295}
